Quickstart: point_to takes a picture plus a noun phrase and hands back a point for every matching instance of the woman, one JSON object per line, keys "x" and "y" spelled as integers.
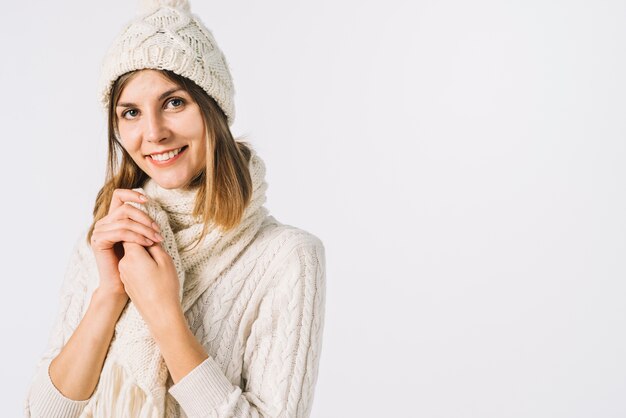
{"x": 184, "y": 297}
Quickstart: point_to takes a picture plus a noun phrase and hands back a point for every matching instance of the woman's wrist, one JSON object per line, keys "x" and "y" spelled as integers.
{"x": 110, "y": 297}
{"x": 168, "y": 319}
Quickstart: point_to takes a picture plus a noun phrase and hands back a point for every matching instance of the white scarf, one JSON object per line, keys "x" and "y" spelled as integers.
{"x": 134, "y": 374}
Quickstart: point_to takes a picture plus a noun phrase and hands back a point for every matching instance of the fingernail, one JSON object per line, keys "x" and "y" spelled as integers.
{"x": 159, "y": 236}
{"x": 142, "y": 197}
{"x": 155, "y": 226}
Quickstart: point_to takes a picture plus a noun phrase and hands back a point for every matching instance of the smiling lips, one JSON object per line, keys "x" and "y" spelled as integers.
{"x": 166, "y": 158}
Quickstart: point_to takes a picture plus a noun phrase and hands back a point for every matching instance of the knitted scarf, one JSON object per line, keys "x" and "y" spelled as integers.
{"x": 133, "y": 378}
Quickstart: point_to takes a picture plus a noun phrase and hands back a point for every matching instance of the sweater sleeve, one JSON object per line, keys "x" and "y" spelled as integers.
{"x": 43, "y": 399}
{"x": 282, "y": 353}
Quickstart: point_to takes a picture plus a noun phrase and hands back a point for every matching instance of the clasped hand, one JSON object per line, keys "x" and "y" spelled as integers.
{"x": 150, "y": 280}
{"x": 143, "y": 271}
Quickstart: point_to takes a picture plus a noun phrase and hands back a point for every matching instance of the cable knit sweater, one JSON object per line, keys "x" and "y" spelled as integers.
{"x": 261, "y": 323}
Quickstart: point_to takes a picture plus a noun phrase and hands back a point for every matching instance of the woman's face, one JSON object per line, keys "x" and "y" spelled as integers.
{"x": 157, "y": 119}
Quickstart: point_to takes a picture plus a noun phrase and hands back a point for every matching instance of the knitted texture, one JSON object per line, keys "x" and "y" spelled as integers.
{"x": 254, "y": 300}
{"x": 167, "y": 36}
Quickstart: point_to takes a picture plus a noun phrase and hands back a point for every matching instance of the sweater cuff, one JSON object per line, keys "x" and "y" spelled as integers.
{"x": 202, "y": 390}
{"x": 46, "y": 400}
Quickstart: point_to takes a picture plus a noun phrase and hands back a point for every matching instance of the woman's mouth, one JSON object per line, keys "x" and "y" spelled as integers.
{"x": 167, "y": 158}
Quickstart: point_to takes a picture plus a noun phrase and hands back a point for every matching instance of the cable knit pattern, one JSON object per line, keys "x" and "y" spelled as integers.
{"x": 254, "y": 298}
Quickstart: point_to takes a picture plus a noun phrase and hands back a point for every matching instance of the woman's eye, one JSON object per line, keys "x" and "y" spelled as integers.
{"x": 131, "y": 112}
{"x": 176, "y": 102}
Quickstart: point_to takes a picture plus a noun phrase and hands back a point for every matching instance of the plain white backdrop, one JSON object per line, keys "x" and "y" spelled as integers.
{"x": 463, "y": 163}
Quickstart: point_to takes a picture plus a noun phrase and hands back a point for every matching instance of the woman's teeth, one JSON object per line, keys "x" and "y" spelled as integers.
{"x": 166, "y": 155}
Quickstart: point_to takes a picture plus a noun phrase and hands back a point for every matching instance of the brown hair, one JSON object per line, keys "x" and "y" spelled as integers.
{"x": 222, "y": 196}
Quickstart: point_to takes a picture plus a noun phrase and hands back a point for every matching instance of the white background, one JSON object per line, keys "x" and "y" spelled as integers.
{"x": 463, "y": 163}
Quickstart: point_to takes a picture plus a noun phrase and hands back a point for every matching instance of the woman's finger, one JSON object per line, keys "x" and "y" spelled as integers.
{"x": 158, "y": 253}
{"x": 107, "y": 239}
{"x": 120, "y": 196}
{"x": 131, "y": 212}
{"x": 129, "y": 224}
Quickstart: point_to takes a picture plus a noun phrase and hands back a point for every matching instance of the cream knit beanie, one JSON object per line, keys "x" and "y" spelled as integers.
{"x": 167, "y": 36}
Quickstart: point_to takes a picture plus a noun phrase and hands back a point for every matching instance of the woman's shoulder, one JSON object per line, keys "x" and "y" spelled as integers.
{"x": 81, "y": 267}
{"x": 289, "y": 253}
{"x": 278, "y": 238}
{"x": 82, "y": 252}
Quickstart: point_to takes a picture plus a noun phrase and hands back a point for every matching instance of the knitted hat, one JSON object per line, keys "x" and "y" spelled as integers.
{"x": 167, "y": 36}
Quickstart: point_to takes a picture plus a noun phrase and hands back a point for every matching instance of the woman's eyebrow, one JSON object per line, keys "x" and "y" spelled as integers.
{"x": 161, "y": 97}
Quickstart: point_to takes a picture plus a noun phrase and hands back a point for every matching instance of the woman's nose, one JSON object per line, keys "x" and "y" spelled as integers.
{"x": 155, "y": 129}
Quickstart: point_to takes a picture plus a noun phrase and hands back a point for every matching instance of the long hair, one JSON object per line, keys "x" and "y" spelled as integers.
{"x": 224, "y": 185}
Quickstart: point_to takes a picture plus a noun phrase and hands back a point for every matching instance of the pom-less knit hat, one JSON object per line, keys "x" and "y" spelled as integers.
{"x": 167, "y": 36}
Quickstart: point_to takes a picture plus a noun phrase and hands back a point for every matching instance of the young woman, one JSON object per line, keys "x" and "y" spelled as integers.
{"x": 184, "y": 297}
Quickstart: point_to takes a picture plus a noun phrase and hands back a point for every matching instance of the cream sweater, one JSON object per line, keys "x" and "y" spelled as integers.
{"x": 261, "y": 323}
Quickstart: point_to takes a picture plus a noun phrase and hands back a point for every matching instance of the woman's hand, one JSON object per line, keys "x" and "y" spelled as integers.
{"x": 151, "y": 281}
{"x": 123, "y": 223}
